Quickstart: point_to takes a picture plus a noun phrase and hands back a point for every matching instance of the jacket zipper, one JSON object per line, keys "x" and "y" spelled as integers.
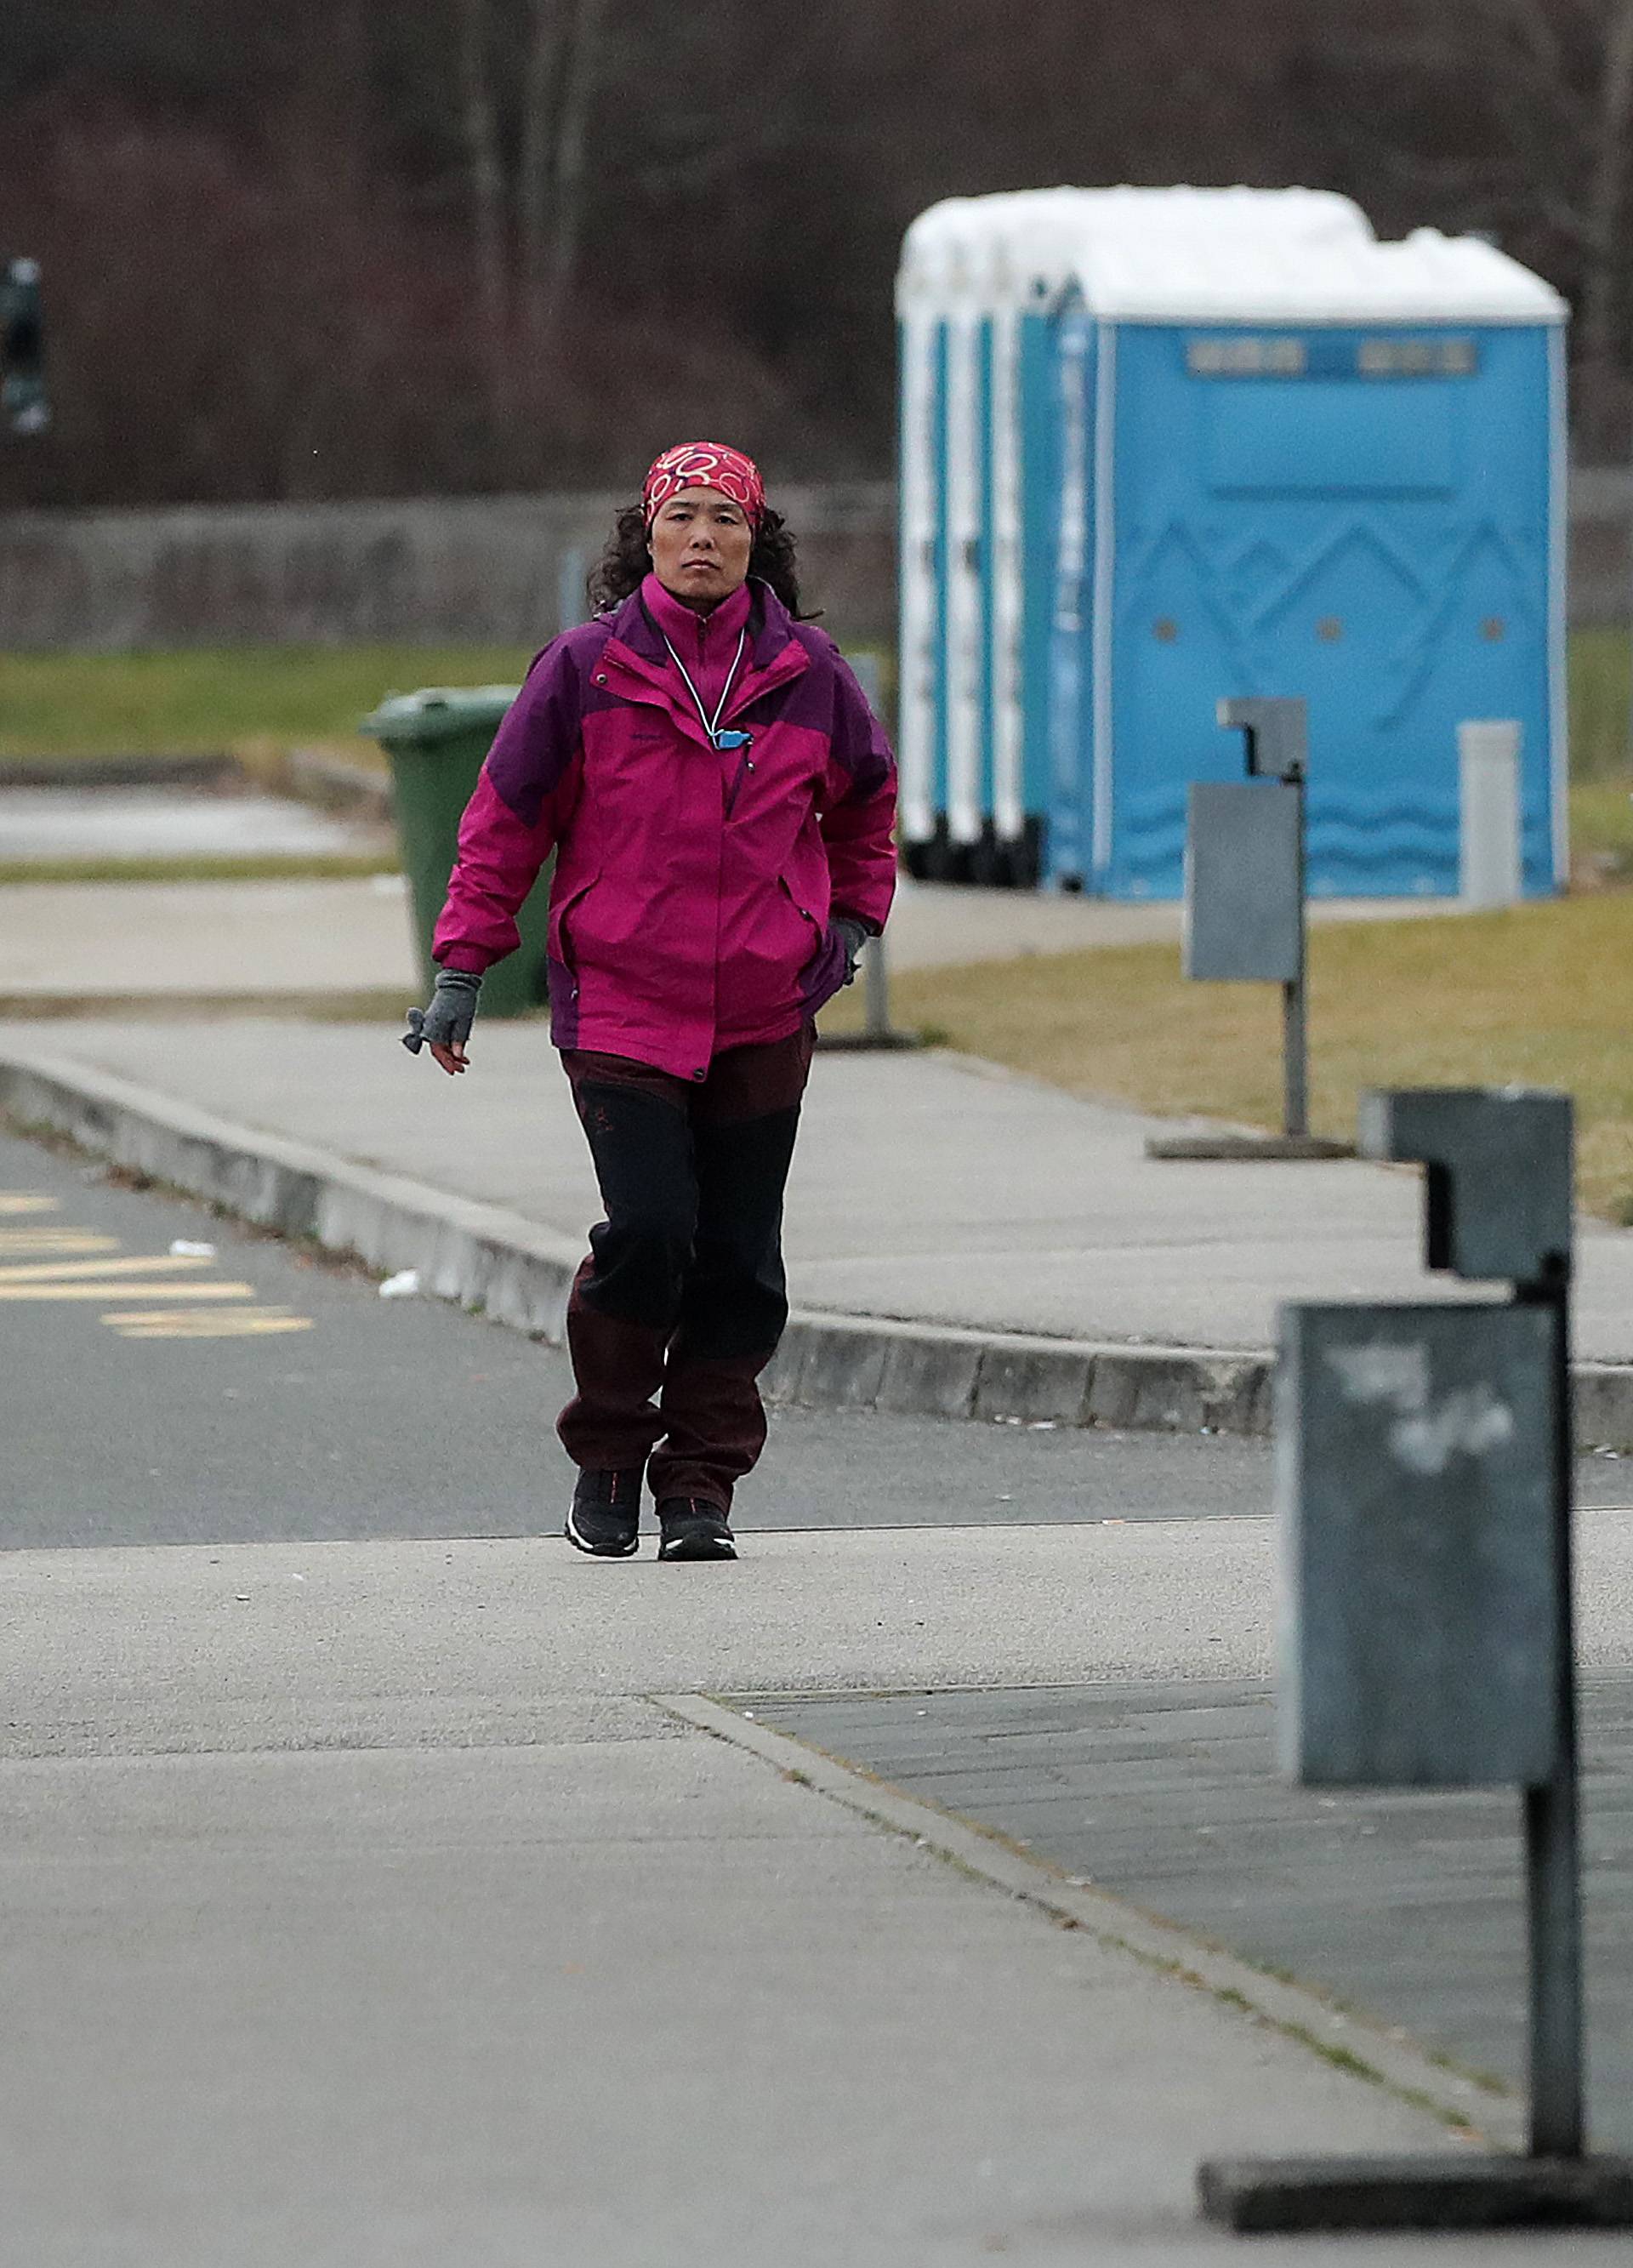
{"x": 572, "y": 906}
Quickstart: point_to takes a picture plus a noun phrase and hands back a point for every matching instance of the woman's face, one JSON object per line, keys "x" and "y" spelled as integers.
{"x": 700, "y": 543}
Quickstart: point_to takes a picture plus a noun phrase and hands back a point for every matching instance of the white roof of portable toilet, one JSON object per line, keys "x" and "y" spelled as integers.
{"x": 1207, "y": 255}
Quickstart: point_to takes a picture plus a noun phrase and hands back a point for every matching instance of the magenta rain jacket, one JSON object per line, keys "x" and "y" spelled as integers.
{"x": 692, "y": 905}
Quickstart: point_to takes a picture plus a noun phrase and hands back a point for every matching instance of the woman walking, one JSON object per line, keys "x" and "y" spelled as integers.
{"x": 720, "y": 800}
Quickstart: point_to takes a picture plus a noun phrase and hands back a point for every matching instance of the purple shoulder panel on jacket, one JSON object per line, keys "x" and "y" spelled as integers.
{"x": 856, "y": 743}
{"x": 537, "y": 740}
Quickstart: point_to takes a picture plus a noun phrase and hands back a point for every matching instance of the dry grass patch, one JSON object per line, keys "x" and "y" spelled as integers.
{"x": 1541, "y": 996}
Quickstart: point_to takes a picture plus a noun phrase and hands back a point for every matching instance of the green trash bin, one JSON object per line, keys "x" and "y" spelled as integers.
{"x": 436, "y": 740}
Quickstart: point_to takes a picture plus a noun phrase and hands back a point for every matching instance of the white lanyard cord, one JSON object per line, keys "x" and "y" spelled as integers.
{"x": 711, "y": 724}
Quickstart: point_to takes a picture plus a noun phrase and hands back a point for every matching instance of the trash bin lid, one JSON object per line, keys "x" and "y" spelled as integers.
{"x": 438, "y": 712}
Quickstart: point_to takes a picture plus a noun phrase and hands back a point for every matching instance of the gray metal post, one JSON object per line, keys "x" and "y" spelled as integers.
{"x": 877, "y": 1030}
{"x": 1245, "y": 909}
{"x": 1553, "y": 1860}
{"x": 1295, "y": 1033}
{"x": 876, "y": 983}
{"x": 1277, "y": 732}
{"x": 1500, "y": 1176}
{"x": 570, "y": 599}
{"x": 1429, "y": 1639}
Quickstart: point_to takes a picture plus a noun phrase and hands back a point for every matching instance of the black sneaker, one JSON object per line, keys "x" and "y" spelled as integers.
{"x": 604, "y": 1518}
{"x": 694, "y": 1529}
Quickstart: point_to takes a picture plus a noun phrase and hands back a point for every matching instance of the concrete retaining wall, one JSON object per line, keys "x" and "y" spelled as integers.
{"x": 489, "y": 568}
{"x": 421, "y": 570}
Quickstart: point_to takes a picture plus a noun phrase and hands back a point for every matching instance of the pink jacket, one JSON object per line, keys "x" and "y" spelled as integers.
{"x": 692, "y": 904}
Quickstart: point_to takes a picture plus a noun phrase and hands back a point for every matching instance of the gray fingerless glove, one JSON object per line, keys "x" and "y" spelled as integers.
{"x": 447, "y": 1022}
{"x": 856, "y": 935}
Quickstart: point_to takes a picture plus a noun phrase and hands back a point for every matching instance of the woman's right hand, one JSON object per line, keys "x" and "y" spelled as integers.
{"x": 445, "y": 1025}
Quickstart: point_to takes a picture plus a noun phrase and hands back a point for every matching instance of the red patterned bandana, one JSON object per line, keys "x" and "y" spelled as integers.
{"x": 705, "y": 465}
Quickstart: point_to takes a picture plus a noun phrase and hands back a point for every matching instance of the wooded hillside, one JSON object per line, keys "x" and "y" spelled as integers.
{"x": 316, "y": 248}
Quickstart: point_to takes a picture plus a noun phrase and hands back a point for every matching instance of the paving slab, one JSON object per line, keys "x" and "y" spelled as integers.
{"x": 1408, "y": 1907}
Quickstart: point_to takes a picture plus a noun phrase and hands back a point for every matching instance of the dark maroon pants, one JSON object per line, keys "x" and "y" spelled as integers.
{"x": 682, "y": 1300}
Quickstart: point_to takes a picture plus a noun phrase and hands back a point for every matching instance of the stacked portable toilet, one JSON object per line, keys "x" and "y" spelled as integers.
{"x": 1160, "y": 446}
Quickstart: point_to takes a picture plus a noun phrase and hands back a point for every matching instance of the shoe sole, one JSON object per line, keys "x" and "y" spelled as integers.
{"x": 601, "y": 1550}
{"x": 699, "y": 1547}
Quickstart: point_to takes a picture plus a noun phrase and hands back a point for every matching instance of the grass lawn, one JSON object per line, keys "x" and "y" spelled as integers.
{"x": 253, "y": 866}
{"x": 1543, "y": 996}
{"x": 222, "y": 699}
{"x": 254, "y": 700}
{"x": 1598, "y": 679}
{"x": 1601, "y": 774}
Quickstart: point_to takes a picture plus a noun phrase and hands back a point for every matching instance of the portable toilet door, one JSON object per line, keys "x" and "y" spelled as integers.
{"x": 963, "y": 673}
{"x": 979, "y": 477}
{"x": 1072, "y": 676}
{"x": 1020, "y": 476}
{"x": 1364, "y": 514}
{"x": 945, "y": 721}
{"x": 922, "y": 635}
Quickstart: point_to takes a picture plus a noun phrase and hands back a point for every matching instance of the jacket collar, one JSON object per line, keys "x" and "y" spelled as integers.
{"x": 770, "y": 626}
{"x": 635, "y": 648}
{"x": 677, "y": 622}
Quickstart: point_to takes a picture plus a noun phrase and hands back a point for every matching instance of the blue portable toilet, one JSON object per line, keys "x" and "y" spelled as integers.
{"x": 1161, "y": 446}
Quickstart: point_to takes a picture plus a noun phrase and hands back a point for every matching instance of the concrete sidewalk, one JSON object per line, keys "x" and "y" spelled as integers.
{"x": 154, "y": 940}
{"x": 365, "y": 1905}
{"x": 926, "y": 1187}
{"x": 960, "y": 1241}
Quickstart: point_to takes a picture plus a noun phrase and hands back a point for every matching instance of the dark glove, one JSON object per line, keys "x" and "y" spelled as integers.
{"x": 447, "y": 1022}
{"x": 855, "y": 935}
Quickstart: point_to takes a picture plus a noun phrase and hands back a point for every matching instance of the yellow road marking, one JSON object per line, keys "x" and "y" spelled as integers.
{"x": 46, "y": 1240}
{"x": 104, "y": 1291}
{"x": 39, "y": 1269}
{"x": 64, "y": 1271}
{"x": 201, "y": 1323}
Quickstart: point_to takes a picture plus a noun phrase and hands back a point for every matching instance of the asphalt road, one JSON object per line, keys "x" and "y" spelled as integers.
{"x": 268, "y": 1395}
{"x": 302, "y": 1406}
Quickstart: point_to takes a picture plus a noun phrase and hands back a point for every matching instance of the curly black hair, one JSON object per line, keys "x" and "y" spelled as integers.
{"x": 627, "y": 561}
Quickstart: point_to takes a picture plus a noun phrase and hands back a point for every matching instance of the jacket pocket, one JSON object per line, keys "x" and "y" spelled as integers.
{"x": 823, "y": 970}
{"x": 561, "y": 949}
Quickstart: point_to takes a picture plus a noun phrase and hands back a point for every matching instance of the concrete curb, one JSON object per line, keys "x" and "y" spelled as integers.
{"x": 199, "y": 772}
{"x": 516, "y": 1271}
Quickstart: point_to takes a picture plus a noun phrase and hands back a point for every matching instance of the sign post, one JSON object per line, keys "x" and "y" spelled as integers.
{"x": 25, "y": 403}
{"x": 1245, "y": 909}
{"x": 878, "y": 1033}
{"x": 1427, "y": 1638}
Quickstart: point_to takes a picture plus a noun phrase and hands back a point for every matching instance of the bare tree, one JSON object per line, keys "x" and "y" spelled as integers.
{"x": 1600, "y": 356}
{"x": 347, "y": 244}
{"x": 577, "y": 101}
{"x": 548, "y": 33}
{"x": 1511, "y": 115}
{"x": 487, "y": 198}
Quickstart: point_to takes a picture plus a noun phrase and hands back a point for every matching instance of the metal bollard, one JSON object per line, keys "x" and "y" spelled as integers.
{"x": 877, "y": 1032}
{"x": 571, "y": 603}
{"x": 1490, "y": 862}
